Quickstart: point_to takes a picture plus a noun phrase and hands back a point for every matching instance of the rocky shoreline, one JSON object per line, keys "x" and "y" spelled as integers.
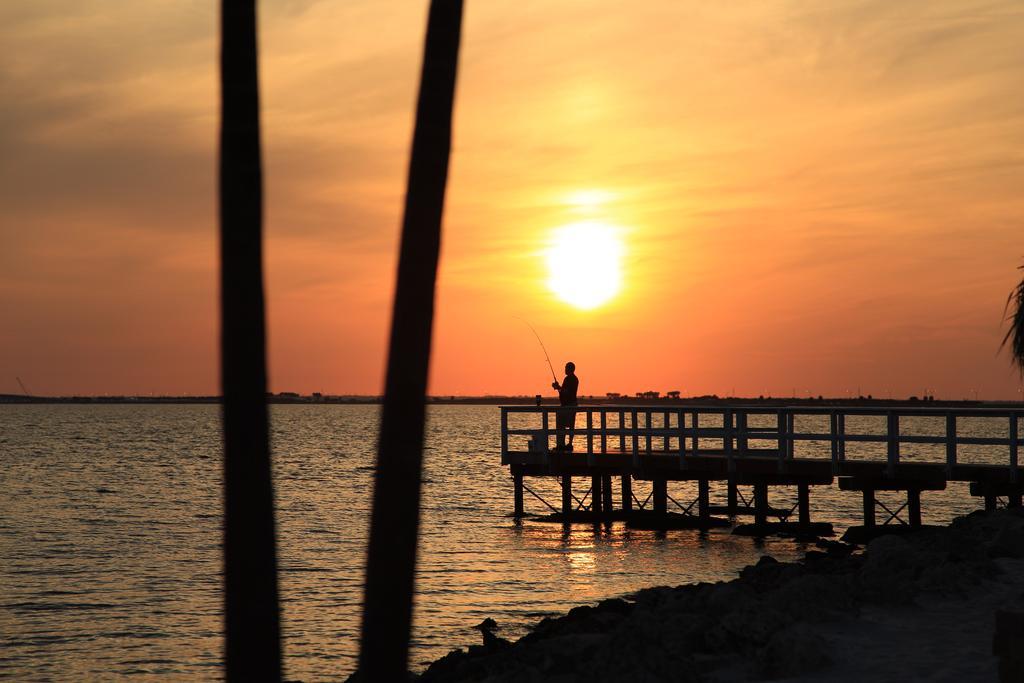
{"x": 772, "y": 621}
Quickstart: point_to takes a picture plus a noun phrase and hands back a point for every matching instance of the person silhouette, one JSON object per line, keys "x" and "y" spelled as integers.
{"x": 565, "y": 418}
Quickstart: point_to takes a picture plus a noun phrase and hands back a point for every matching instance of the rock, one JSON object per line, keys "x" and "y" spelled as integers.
{"x": 762, "y": 623}
{"x": 487, "y": 624}
{"x": 814, "y": 597}
{"x": 752, "y": 624}
{"x": 792, "y": 651}
{"x": 768, "y": 573}
{"x": 814, "y": 556}
{"x": 890, "y": 571}
{"x": 1008, "y": 542}
{"x": 835, "y": 548}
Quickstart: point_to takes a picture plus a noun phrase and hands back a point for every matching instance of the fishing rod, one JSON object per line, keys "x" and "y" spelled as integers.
{"x": 543, "y": 348}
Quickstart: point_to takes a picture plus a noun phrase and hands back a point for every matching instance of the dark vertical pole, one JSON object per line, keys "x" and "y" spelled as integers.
{"x": 517, "y": 485}
{"x": 760, "y": 504}
{"x": 606, "y": 489}
{"x": 892, "y": 430}
{"x": 803, "y": 498}
{"x": 660, "y": 498}
{"x": 914, "y": 506}
{"x": 595, "y": 494}
{"x": 391, "y": 555}
{"x": 251, "y": 615}
{"x": 869, "y": 507}
{"x": 627, "y": 493}
{"x": 990, "y": 502}
{"x": 1013, "y": 500}
{"x": 566, "y": 495}
{"x": 731, "y": 493}
{"x": 704, "y": 501}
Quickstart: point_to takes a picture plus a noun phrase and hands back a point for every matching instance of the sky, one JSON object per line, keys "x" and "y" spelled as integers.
{"x": 803, "y": 198}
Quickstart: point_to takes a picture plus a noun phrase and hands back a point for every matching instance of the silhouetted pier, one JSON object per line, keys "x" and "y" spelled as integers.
{"x": 869, "y": 449}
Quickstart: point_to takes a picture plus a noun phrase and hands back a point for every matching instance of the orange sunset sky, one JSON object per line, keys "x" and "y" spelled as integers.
{"x": 807, "y": 196}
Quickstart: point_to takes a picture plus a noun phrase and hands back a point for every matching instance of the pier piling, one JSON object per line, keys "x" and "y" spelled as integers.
{"x": 914, "y": 506}
{"x": 704, "y": 501}
{"x": 517, "y": 485}
{"x": 803, "y": 501}
{"x": 760, "y": 504}
{"x": 660, "y": 496}
{"x": 731, "y": 496}
{"x": 869, "y": 507}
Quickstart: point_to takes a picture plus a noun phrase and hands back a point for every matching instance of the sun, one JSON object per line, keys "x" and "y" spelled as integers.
{"x": 585, "y": 263}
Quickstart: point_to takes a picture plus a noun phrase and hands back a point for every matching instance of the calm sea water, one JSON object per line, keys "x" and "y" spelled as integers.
{"x": 110, "y": 538}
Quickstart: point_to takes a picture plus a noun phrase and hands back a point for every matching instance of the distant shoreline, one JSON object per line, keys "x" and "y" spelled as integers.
{"x": 296, "y": 399}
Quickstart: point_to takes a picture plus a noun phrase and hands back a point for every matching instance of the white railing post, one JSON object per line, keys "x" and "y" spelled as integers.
{"x": 727, "y": 432}
{"x": 892, "y": 433}
{"x": 1013, "y": 446}
{"x": 547, "y": 429}
{"x": 950, "y": 442}
{"x": 695, "y": 418}
{"x": 680, "y": 422}
{"x": 780, "y": 425}
{"x": 741, "y": 432}
{"x": 841, "y": 426}
{"x": 590, "y": 431}
{"x": 647, "y": 430}
{"x": 790, "y": 430}
{"x": 622, "y": 431}
{"x": 636, "y": 433}
{"x": 504, "y": 433}
{"x": 604, "y": 430}
{"x": 665, "y": 424}
{"x": 833, "y": 432}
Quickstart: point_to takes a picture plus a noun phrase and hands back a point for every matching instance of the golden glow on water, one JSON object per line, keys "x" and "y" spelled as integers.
{"x": 584, "y": 262}
{"x": 93, "y": 503}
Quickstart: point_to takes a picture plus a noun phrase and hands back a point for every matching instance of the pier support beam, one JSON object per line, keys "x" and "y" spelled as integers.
{"x": 760, "y": 504}
{"x": 1013, "y": 500}
{"x": 660, "y": 497}
{"x": 517, "y": 485}
{"x": 566, "y": 495}
{"x": 627, "y": 493}
{"x": 704, "y": 501}
{"x": 869, "y": 507}
{"x": 606, "y": 490}
{"x": 914, "y": 506}
{"x": 595, "y": 493}
{"x": 731, "y": 493}
{"x": 803, "y": 501}
{"x": 990, "y": 502}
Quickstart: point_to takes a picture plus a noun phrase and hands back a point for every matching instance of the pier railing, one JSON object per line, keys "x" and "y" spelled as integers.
{"x": 743, "y": 431}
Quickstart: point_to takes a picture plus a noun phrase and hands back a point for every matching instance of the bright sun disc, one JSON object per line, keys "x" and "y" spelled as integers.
{"x": 585, "y": 264}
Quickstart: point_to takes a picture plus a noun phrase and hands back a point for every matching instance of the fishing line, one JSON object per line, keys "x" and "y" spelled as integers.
{"x": 543, "y": 348}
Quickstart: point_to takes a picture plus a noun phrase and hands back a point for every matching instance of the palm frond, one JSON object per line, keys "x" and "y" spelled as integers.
{"x": 1015, "y": 335}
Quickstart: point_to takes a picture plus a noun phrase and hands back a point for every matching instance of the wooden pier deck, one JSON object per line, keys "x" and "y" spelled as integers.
{"x": 868, "y": 449}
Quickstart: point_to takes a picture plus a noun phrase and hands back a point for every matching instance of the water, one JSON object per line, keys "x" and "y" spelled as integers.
{"x": 110, "y": 538}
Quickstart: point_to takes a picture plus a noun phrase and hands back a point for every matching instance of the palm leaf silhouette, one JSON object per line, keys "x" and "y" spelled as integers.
{"x": 1015, "y": 335}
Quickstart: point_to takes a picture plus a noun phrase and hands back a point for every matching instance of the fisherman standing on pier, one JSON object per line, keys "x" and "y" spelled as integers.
{"x": 565, "y": 419}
